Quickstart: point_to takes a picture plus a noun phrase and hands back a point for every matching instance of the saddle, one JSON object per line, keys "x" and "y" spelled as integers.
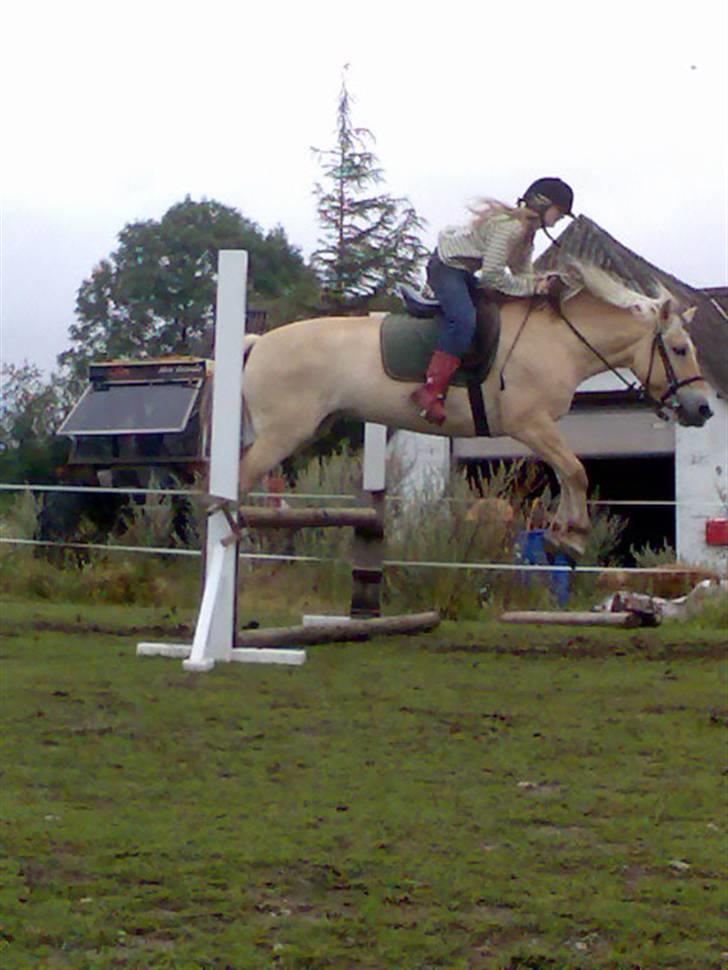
{"x": 408, "y": 339}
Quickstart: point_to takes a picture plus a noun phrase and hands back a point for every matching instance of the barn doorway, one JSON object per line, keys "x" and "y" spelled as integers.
{"x": 643, "y": 478}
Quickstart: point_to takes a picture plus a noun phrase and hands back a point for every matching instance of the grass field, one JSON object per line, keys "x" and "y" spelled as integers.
{"x": 479, "y": 797}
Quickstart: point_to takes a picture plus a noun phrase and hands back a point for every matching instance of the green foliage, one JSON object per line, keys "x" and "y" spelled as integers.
{"x": 368, "y": 242}
{"x": 453, "y": 527}
{"x": 87, "y": 575}
{"x": 647, "y": 557}
{"x": 710, "y": 612}
{"x": 155, "y": 294}
{"x": 337, "y": 474}
{"x": 31, "y": 409}
{"x": 155, "y": 523}
{"x": 20, "y": 517}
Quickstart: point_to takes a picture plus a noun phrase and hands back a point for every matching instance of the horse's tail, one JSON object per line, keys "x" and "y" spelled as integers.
{"x": 247, "y": 432}
{"x": 206, "y": 399}
{"x": 248, "y": 343}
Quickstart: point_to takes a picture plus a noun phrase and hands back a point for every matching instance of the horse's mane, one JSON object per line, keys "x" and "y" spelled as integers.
{"x": 610, "y": 288}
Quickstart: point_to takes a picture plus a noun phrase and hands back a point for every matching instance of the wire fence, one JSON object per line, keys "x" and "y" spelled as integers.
{"x": 333, "y": 497}
{"x": 504, "y": 567}
{"x": 176, "y": 551}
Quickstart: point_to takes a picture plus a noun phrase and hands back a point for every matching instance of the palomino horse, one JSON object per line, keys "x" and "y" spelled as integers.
{"x": 301, "y": 374}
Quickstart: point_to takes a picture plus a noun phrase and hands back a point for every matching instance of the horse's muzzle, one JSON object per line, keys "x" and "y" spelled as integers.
{"x": 693, "y": 410}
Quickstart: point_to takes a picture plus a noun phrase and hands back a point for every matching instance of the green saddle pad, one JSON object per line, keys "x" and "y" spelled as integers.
{"x": 408, "y": 342}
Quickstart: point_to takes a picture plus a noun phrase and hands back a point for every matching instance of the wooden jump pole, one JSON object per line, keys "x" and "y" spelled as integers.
{"x": 261, "y": 517}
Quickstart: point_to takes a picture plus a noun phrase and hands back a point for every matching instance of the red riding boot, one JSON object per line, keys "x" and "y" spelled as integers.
{"x": 429, "y": 398}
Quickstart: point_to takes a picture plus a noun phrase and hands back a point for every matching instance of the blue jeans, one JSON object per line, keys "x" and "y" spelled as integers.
{"x": 452, "y": 288}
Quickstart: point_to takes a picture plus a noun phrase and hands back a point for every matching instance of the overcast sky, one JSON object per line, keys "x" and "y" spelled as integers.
{"x": 114, "y": 112}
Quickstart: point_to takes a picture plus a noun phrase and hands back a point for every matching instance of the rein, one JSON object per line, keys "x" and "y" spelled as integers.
{"x": 643, "y": 389}
{"x": 513, "y": 345}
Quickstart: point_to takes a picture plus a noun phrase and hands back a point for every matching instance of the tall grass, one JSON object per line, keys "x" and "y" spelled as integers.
{"x": 452, "y": 526}
{"x": 448, "y": 525}
{"x": 96, "y": 576}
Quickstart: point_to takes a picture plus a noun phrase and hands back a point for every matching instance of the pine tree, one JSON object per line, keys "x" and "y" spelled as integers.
{"x": 368, "y": 243}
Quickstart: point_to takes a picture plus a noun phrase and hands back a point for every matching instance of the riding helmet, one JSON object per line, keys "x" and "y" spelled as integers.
{"x": 546, "y": 192}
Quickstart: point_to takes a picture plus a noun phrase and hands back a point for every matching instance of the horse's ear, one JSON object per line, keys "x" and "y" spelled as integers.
{"x": 689, "y": 314}
{"x": 665, "y": 312}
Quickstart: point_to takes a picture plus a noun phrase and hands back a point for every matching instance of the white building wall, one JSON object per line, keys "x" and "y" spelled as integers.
{"x": 701, "y": 486}
{"x": 423, "y": 461}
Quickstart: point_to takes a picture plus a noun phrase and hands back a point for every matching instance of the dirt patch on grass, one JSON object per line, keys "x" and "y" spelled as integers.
{"x": 83, "y": 628}
{"x": 642, "y": 646}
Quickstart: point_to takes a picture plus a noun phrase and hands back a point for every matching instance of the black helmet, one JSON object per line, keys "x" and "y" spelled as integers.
{"x": 546, "y": 192}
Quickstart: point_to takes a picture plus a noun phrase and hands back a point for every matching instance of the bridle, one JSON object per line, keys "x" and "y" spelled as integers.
{"x": 673, "y": 384}
{"x": 642, "y": 389}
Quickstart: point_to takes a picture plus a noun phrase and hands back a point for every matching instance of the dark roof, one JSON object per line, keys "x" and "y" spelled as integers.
{"x": 585, "y": 240}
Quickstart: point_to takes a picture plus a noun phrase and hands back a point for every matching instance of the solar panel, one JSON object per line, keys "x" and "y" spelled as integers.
{"x": 132, "y": 409}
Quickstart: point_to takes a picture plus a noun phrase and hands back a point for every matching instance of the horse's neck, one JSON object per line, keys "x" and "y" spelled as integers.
{"x": 612, "y": 331}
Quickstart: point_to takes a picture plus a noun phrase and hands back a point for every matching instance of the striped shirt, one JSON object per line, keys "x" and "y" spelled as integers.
{"x": 499, "y": 251}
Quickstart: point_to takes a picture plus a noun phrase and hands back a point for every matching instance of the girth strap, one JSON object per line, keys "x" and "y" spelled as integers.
{"x": 477, "y": 406}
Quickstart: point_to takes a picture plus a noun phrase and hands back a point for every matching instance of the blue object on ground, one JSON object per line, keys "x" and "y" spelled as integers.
{"x": 530, "y": 549}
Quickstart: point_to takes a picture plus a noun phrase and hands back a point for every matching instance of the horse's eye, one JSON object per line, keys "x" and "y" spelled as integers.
{"x": 680, "y": 351}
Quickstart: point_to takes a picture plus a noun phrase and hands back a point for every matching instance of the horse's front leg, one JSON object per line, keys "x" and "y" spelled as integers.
{"x": 570, "y": 526}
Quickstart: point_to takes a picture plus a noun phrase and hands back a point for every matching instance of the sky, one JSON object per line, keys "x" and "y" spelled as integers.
{"x": 114, "y": 112}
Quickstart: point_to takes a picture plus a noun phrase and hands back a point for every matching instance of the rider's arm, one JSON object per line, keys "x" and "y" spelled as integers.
{"x": 499, "y": 240}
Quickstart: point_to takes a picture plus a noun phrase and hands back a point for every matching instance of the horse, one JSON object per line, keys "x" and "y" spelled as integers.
{"x": 300, "y": 375}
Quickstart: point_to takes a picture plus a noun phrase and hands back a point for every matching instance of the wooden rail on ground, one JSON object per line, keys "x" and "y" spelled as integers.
{"x": 566, "y": 618}
{"x": 338, "y": 632}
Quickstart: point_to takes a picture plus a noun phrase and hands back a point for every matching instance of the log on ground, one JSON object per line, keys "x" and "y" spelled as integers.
{"x": 339, "y": 632}
{"x": 566, "y": 618}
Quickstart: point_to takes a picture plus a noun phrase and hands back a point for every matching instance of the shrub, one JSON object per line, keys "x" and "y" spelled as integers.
{"x": 647, "y": 557}
{"x": 453, "y": 527}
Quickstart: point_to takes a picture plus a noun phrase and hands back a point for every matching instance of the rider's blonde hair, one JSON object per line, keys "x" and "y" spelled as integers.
{"x": 485, "y": 208}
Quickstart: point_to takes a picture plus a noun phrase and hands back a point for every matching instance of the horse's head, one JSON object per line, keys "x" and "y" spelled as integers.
{"x": 667, "y": 365}
{"x": 663, "y": 357}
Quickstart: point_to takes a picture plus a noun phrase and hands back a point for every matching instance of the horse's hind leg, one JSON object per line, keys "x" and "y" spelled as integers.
{"x": 258, "y": 459}
{"x": 272, "y": 446}
{"x": 570, "y": 526}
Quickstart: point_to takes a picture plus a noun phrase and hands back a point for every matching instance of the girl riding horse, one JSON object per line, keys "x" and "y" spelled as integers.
{"x": 493, "y": 252}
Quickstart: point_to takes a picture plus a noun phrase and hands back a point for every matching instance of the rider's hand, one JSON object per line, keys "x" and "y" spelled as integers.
{"x": 548, "y": 285}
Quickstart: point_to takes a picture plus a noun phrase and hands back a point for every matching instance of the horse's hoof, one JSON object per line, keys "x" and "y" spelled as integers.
{"x": 556, "y": 545}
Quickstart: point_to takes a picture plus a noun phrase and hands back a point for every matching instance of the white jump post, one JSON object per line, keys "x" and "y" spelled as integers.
{"x": 366, "y": 553}
{"x": 214, "y": 638}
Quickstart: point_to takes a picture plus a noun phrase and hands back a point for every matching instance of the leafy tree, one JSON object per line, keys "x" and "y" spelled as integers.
{"x": 155, "y": 294}
{"x": 369, "y": 242}
{"x": 30, "y": 411}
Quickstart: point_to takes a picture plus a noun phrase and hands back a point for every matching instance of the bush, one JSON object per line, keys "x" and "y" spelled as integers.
{"x": 89, "y": 575}
{"x": 339, "y": 474}
{"x": 647, "y": 557}
{"x": 453, "y": 527}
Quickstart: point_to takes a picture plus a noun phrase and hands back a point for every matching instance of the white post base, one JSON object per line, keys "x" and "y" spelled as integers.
{"x": 178, "y": 651}
{"x": 243, "y": 655}
{"x": 261, "y": 655}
